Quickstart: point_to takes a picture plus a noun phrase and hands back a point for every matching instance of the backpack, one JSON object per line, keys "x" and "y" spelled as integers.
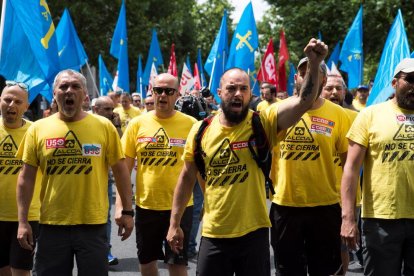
{"x": 263, "y": 157}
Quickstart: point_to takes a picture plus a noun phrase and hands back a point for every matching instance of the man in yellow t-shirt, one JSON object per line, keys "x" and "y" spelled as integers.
{"x": 361, "y": 97}
{"x": 268, "y": 94}
{"x": 126, "y": 111}
{"x": 305, "y": 211}
{"x": 13, "y": 258}
{"x": 334, "y": 91}
{"x": 73, "y": 150}
{"x": 382, "y": 139}
{"x": 235, "y": 235}
{"x": 156, "y": 139}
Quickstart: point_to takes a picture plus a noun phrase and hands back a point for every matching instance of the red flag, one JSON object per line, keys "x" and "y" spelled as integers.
{"x": 197, "y": 83}
{"x": 172, "y": 67}
{"x": 283, "y": 57}
{"x": 267, "y": 71}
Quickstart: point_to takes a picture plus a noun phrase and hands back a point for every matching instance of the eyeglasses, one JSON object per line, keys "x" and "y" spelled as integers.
{"x": 168, "y": 91}
{"x": 149, "y": 103}
{"x": 136, "y": 101}
{"x": 22, "y": 85}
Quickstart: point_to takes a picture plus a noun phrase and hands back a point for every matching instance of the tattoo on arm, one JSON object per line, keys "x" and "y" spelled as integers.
{"x": 306, "y": 88}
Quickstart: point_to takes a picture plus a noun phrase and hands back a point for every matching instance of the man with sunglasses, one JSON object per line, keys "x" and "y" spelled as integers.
{"x": 361, "y": 97}
{"x": 382, "y": 139}
{"x": 156, "y": 139}
{"x": 74, "y": 150}
{"x": 13, "y": 258}
{"x": 149, "y": 103}
{"x": 235, "y": 234}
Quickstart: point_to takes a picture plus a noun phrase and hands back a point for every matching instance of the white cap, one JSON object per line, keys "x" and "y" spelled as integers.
{"x": 406, "y": 66}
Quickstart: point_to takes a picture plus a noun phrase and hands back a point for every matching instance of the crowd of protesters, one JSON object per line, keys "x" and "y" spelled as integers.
{"x": 343, "y": 176}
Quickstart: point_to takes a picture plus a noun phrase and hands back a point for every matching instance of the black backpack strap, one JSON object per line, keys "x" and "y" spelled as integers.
{"x": 263, "y": 157}
{"x": 199, "y": 154}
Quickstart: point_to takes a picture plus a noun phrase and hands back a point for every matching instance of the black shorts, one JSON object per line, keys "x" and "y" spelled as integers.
{"x": 11, "y": 253}
{"x": 243, "y": 256}
{"x": 59, "y": 245}
{"x": 151, "y": 228}
{"x": 306, "y": 239}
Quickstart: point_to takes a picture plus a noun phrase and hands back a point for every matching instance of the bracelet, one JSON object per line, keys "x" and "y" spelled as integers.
{"x": 128, "y": 213}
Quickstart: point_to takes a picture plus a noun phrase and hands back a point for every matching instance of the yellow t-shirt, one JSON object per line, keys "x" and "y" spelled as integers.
{"x": 387, "y": 132}
{"x": 9, "y": 170}
{"x": 357, "y": 105}
{"x": 127, "y": 115}
{"x": 158, "y": 145}
{"x": 265, "y": 104}
{"x": 74, "y": 158}
{"x": 305, "y": 165}
{"x": 234, "y": 199}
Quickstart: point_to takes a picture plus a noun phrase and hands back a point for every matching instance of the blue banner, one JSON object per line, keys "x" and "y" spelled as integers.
{"x": 105, "y": 79}
{"x": 396, "y": 48}
{"x": 351, "y": 54}
{"x": 154, "y": 56}
{"x": 28, "y": 47}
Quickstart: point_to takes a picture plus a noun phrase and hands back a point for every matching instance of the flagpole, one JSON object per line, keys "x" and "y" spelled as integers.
{"x": 93, "y": 79}
{"x": 212, "y": 73}
{"x": 3, "y": 15}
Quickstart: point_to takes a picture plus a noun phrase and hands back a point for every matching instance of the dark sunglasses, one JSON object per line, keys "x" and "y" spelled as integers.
{"x": 168, "y": 91}
{"x": 22, "y": 85}
{"x": 149, "y": 103}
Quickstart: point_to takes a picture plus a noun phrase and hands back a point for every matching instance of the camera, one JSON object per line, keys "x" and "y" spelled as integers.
{"x": 196, "y": 107}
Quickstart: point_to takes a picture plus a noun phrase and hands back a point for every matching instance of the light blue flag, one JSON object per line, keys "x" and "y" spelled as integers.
{"x": 396, "y": 48}
{"x": 72, "y": 55}
{"x": 105, "y": 79}
{"x": 201, "y": 68}
{"x": 334, "y": 58}
{"x": 412, "y": 55}
{"x": 217, "y": 58}
{"x": 244, "y": 43}
{"x": 28, "y": 46}
{"x": 351, "y": 54}
{"x": 291, "y": 79}
{"x": 119, "y": 49}
{"x": 140, "y": 85}
{"x": 320, "y": 35}
{"x": 154, "y": 56}
{"x": 188, "y": 63}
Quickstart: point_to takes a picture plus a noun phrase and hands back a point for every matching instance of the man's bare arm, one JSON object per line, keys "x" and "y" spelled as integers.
{"x": 355, "y": 157}
{"x": 24, "y": 193}
{"x": 292, "y": 109}
{"x": 124, "y": 193}
{"x": 182, "y": 195}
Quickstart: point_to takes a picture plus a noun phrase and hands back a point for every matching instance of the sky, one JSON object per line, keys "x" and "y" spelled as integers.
{"x": 259, "y": 7}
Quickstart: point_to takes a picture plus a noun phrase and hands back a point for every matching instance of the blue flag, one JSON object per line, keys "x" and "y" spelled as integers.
{"x": 217, "y": 58}
{"x": 291, "y": 79}
{"x": 412, "y": 55}
{"x": 351, "y": 54}
{"x": 28, "y": 46}
{"x": 334, "y": 58}
{"x": 395, "y": 49}
{"x": 105, "y": 79}
{"x": 201, "y": 68}
{"x": 154, "y": 56}
{"x": 72, "y": 55}
{"x": 119, "y": 49}
{"x": 140, "y": 85}
{"x": 245, "y": 41}
{"x": 320, "y": 35}
{"x": 188, "y": 63}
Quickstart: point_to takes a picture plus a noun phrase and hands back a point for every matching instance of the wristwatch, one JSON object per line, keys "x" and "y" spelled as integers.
{"x": 128, "y": 212}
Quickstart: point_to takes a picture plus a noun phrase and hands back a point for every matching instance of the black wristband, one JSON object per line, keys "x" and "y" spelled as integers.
{"x": 128, "y": 212}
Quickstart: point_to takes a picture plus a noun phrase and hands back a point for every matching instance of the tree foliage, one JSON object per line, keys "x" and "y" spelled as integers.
{"x": 186, "y": 23}
{"x": 333, "y": 18}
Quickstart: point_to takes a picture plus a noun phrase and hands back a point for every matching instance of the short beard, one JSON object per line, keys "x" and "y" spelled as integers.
{"x": 234, "y": 117}
{"x": 405, "y": 100}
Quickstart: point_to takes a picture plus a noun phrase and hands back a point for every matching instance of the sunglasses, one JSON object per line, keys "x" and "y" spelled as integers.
{"x": 22, "y": 85}
{"x": 149, "y": 103}
{"x": 408, "y": 79}
{"x": 168, "y": 91}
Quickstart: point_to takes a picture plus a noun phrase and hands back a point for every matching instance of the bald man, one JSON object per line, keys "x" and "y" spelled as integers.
{"x": 156, "y": 139}
{"x": 13, "y": 258}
